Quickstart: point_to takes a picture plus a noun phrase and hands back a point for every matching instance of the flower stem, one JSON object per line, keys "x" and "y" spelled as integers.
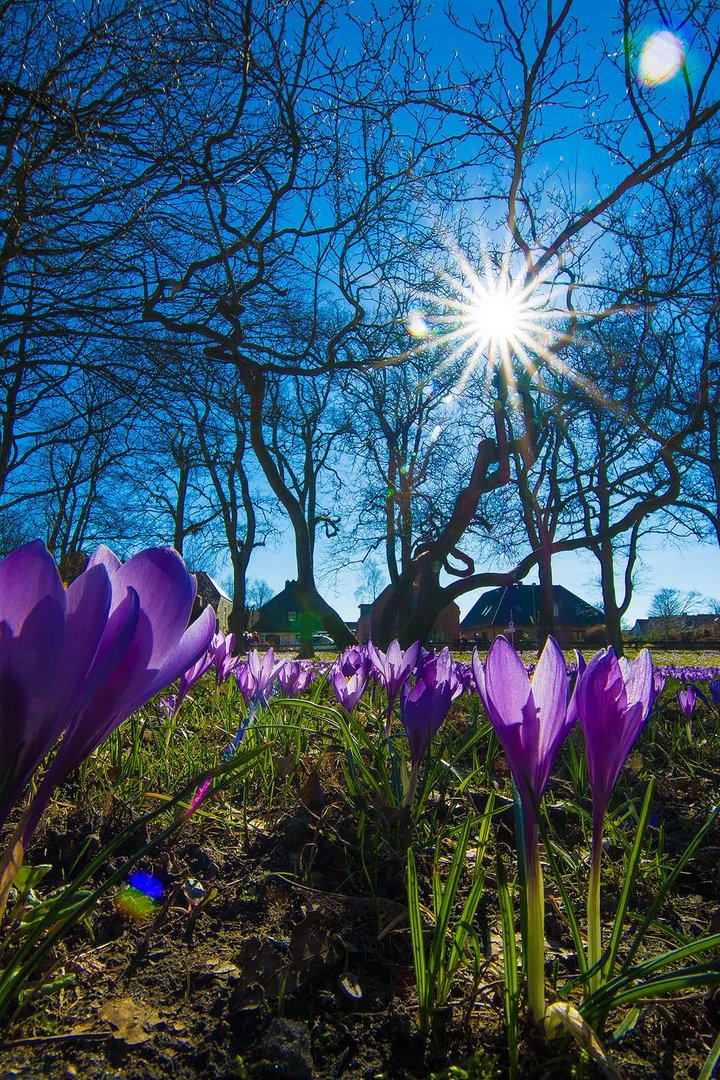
{"x": 535, "y": 944}
{"x": 593, "y": 909}
{"x": 412, "y": 785}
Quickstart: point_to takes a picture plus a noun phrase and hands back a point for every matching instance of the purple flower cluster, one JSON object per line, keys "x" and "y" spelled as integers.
{"x": 425, "y": 684}
{"x": 532, "y": 716}
{"x": 255, "y": 678}
{"x": 685, "y": 673}
{"x": 221, "y": 656}
{"x": 294, "y": 677}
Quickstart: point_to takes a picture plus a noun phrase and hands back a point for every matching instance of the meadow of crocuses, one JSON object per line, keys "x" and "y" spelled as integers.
{"x": 387, "y": 756}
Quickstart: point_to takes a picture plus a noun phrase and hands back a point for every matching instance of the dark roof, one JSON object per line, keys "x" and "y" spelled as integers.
{"x": 522, "y": 602}
{"x": 209, "y": 593}
{"x": 676, "y": 622}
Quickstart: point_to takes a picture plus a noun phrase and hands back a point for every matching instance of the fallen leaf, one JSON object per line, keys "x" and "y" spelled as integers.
{"x": 312, "y": 946}
{"x": 312, "y": 794}
{"x": 133, "y": 1021}
{"x": 223, "y": 967}
{"x": 563, "y": 1015}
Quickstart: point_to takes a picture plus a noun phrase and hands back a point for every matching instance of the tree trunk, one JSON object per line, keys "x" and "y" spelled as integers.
{"x": 236, "y": 622}
{"x": 311, "y": 599}
{"x": 613, "y": 616}
{"x": 546, "y": 612}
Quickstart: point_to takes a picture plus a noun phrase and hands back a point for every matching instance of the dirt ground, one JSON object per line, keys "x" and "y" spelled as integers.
{"x": 267, "y": 956}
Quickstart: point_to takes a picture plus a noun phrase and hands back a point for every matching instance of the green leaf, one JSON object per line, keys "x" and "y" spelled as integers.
{"x": 416, "y": 937}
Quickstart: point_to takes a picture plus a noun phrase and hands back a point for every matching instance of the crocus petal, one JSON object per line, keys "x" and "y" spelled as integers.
{"x": 549, "y": 691}
{"x": 478, "y": 673}
{"x": 166, "y": 592}
{"x": 506, "y": 680}
{"x": 88, "y": 603}
{"x": 507, "y": 687}
{"x": 639, "y": 683}
{"x": 28, "y": 576}
{"x": 30, "y": 722}
{"x": 193, "y": 642}
{"x": 103, "y": 556}
{"x": 96, "y": 717}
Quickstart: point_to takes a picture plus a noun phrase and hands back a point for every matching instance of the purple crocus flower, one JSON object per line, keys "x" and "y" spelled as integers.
{"x": 221, "y": 656}
{"x": 392, "y": 668}
{"x": 465, "y": 675}
{"x": 168, "y": 706}
{"x": 614, "y": 698}
{"x": 659, "y": 681}
{"x": 687, "y": 700}
{"x": 443, "y": 667}
{"x": 424, "y": 706}
{"x": 80, "y": 661}
{"x": 49, "y": 640}
{"x": 349, "y": 688}
{"x": 714, "y": 688}
{"x": 352, "y": 660}
{"x": 531, "y": 717}
{"x": 613, "y": 702}
{"x": 349, "y": 676}
{"x": 256, "y": 677}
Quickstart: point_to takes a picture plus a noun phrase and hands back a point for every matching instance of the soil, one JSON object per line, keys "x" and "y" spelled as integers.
{"x": 268, "y": 955}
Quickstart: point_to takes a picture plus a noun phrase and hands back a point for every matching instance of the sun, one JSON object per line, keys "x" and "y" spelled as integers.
{"x": 492, "y": 318}
{"x": 496, "y": 316}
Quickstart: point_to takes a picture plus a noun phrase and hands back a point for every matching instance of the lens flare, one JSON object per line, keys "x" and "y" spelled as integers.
{"x": 661, "y": 58}
{"x": 140, "y": 896}
{"x": 416, "y": 325}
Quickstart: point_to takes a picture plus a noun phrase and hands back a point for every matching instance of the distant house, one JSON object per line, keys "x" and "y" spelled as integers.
{"x": 210, "y": 594}
{"x": 283, "y": 618}
{"x": 513, "y": 610}
{"x": 445, "y": 630}
{"x": 678, "y": 628}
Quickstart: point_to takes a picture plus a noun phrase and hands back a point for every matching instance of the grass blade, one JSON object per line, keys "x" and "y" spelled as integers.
{"x": 417, "y": 939}
{"x": 510, "y": 966}
{"x": 630, "y": 875}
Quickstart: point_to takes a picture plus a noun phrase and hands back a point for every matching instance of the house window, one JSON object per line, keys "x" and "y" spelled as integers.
{"x": 556, "y": 610}
{"x": 292, "y": 616}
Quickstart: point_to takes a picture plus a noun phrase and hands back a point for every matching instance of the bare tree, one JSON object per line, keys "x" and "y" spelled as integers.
{"x": 292, "y": 446}
{"x": 671, "y": 608}
{"x": 555, "y": 226}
